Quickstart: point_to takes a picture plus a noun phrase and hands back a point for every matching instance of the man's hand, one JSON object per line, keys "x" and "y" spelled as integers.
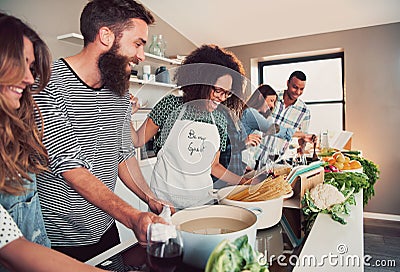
{"x": 311, "y": 138}
{"x": 135, "y": 103}
{"x": 141, "y": 223}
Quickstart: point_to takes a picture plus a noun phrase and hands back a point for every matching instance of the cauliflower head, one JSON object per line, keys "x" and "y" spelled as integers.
{"x": 326, "y": 195}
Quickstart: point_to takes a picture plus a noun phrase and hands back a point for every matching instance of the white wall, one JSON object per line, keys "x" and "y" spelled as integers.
{"x": 372, "y": 69}
{"x": 51, "y": 18}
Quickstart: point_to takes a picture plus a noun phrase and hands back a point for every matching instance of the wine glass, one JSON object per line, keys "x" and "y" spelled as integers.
{"x": 261, "y": 247}
{"x": 164, "y": 247}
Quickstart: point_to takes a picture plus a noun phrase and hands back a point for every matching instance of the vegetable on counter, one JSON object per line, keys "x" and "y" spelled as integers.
{"x": 348, "y": 183}
{"x": 238, "y": 255}
{"x": 340, "y": 161}
{"x": 370, "y": 169}
{"x": 326, "y": 198}
{"x": 350, "y": 180}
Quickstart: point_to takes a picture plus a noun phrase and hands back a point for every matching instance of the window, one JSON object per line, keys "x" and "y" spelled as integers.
{"x": 324, "y": 91}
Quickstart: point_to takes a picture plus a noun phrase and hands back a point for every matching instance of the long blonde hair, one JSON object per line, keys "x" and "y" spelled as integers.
{"x": 21, "y": 148}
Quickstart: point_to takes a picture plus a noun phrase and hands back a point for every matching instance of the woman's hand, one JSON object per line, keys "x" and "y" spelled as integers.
{"x": 253, "y": 140}
{"x": 156, "y": 205}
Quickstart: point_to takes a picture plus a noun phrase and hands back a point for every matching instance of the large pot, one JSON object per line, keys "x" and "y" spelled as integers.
{"x": 271, "y": 210}
{"x": 201, "y": 229}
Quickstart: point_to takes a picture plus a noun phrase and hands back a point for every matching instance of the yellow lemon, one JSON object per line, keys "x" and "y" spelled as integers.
{"x": 354, "y": 164}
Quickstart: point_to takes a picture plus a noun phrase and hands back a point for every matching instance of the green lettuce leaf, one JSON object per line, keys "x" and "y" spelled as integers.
{"x": 234, "y": 256}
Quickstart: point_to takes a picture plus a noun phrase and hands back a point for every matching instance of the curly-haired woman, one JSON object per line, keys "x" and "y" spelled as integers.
{"x": 190, "y": 132}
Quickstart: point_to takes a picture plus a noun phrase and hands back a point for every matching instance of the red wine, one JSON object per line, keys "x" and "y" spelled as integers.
{"x": 164, "y": 257}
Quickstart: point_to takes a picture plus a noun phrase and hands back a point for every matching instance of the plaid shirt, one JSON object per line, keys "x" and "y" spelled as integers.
{"x": 296, "y": 116}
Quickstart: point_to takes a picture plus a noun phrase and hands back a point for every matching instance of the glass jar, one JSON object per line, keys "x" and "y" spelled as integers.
{"x": 154, "y": 47}
{"x": 161, "y": 45}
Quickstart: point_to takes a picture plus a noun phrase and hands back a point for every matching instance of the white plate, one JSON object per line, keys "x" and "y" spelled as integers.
{"x": 357, "y": 170}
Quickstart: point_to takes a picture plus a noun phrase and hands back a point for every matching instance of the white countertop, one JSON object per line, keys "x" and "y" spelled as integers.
{"x": 333, "y": 246}
{"x": 112, "y": 251}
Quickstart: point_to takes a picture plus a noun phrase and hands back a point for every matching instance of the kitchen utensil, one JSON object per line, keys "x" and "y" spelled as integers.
{"x": 204, "y": 227}
{"x": 269, "y": 212}
{"x": 314, "y": 156}
{"x": 301, "y": 169}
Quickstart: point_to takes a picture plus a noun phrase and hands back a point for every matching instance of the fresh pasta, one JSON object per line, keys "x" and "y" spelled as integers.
{"x": 270, "y": 188}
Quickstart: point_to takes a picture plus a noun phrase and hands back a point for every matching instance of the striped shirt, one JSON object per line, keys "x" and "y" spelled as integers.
{"x": 296, "y": 116}
{"x": 83, "y": 127}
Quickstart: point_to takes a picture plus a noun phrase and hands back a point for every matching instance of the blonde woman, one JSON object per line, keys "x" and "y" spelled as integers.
{"x": 24, "y": 57}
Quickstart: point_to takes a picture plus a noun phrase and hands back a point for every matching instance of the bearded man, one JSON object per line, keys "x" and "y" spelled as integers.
{"x": 86, "y": 112}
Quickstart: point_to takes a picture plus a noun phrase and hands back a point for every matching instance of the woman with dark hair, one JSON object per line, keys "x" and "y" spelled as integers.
{"x": 190, "y": 133}
{"x": 257, "y": 111}
{"x": 257, "y": 118}
{"x": 24, "y": 58}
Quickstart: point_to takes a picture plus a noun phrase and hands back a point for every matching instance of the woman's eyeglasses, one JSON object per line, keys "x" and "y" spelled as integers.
{"x": 220, "y": 91}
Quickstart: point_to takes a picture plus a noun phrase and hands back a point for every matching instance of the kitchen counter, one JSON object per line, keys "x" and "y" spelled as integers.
{"x": 133, "y": 256}
{"x": 328, "y": 247}
{"x": 334, "y": 246}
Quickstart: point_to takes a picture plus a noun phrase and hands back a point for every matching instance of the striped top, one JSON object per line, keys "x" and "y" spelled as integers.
{"x": 83, "y": 127}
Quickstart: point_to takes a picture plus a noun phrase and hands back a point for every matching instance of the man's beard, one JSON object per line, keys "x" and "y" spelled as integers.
{"x": 113, "y": 71}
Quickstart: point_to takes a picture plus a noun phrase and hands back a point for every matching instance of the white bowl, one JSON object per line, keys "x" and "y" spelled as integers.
{"x": 271, "y": 210}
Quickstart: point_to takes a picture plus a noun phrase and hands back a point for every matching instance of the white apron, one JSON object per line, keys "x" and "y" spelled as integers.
{"x": 182, "y": 173}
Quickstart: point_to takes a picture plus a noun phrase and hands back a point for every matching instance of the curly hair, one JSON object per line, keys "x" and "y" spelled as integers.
{"x": 21, "y": 149}
{"x": 114, "y": 14}
{"x": 201, "y": 69}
